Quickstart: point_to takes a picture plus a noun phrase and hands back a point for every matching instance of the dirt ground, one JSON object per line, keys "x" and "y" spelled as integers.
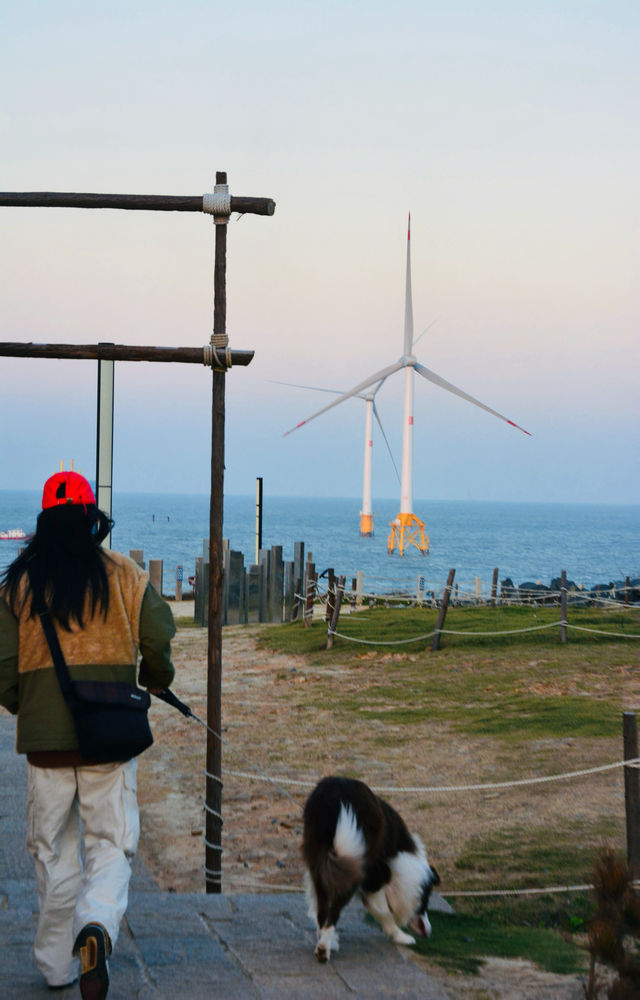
{"x": 273, "y": 726}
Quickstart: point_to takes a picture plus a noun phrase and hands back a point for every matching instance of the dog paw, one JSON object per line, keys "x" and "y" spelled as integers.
{"x": 401, "y": 938}
{"x": 322, "y": 953}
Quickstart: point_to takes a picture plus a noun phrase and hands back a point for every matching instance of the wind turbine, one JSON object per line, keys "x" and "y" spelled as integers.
{"x": 406, "y": 528}
{"x": 371, "y": 411}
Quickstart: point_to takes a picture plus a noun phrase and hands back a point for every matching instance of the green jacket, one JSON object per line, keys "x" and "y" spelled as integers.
{"x": 138, "y": 621}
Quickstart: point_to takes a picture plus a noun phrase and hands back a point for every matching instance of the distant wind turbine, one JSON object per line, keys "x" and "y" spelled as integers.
{"x": 406, "y": 528}
{"x": 371, "y": 411}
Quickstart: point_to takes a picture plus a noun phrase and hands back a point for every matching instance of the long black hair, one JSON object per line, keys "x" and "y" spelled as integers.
{"x": 65, "y": 562}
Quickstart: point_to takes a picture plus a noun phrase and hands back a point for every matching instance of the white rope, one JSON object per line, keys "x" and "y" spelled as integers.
{"x": 213, "y": 812}
{"x": 214, "y": 847}
{"x": 520, "y": 892}
{"x": 252, "y": 882}
{"x": 381, "y": 642}
{"x": 218, "y": 203}
{"x": 596, "y": 631}
{"x": 420, "y": 790}
{"x": 514, "y": 631}
{"x": 470, "y": 632}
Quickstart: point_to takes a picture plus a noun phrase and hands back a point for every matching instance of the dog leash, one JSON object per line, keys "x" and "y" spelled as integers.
{"x": 170, "y": 698}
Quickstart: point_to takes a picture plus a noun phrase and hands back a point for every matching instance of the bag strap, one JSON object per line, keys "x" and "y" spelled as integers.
{"x": 59, "y": 662}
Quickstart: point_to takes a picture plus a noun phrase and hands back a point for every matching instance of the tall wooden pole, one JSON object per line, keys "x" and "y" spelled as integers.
{"x": 213, "y": 833}
{"x": 632, "y": 791}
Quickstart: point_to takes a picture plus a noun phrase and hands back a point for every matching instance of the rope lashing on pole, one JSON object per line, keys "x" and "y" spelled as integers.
{"x": 218, "y": 204}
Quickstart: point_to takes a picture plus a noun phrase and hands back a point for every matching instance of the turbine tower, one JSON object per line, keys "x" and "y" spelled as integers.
{"x": 406, "y": 528}
{"x": 371, "y": 411}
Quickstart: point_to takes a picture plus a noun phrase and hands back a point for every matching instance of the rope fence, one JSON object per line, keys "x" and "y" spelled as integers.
{"x": 631, "y": 764}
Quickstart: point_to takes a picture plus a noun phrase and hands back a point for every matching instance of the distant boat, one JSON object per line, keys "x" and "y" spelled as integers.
{"x": 14, "y": 535}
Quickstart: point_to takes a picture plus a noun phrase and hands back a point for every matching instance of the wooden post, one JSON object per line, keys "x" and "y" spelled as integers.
{"x": 289, "y": 596}
{"x": 331, "y": 595}
{"x": 137, "y": 556}
{"x": 258, "y": 516}
{"x": 335, "y": 614}
{"x": 253, "y": 593}
{"x": 264, "y": 562}
{"x": 494, "y": 587}
{"x": 563, "y": 605}
{"x": 297, "y": 599}
{"x": 309, "y": 591}
{"x": 276, "y": 584}
{"x": 298, "y": 562}
{"x": 632, "y": 791}
{"x": 435, "y": 642}
{"x": 626, "y": 591}
{"x": 155, "y": 574}
{"x": 235, "y": 589}
{"x": 213, "y": 822}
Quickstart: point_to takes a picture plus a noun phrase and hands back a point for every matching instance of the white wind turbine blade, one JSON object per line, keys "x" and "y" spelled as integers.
{"x": 377, "y": 416}
{"x": 437, "y": 380}
{"x": 347, "y": 395}
{"x": 296, "y": 385}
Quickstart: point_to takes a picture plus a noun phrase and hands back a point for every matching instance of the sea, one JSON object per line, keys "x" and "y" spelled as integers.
{"x": 526, "y": 542}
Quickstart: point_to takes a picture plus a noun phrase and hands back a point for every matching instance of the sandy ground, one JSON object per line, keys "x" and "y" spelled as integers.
{"x": 271, "y": 725}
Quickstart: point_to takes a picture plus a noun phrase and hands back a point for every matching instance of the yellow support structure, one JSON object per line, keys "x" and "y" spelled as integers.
{"x": 366, "y": 525}
{"x": 406, "y": 530}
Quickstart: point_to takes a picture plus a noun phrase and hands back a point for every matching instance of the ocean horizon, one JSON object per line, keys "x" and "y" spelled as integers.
{"x": 526, "y": 541}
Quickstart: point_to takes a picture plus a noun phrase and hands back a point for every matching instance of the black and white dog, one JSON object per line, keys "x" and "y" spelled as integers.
{"x": 354, "y": 840}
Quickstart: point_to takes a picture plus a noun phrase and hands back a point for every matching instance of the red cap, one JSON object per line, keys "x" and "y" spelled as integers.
{"x": 66, "y": 487}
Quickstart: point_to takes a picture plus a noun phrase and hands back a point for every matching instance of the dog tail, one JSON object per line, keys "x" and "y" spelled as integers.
{"x": 343, "y": 865}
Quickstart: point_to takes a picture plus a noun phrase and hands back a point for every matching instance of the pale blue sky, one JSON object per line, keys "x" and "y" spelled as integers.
{"x": 510, "y": 130}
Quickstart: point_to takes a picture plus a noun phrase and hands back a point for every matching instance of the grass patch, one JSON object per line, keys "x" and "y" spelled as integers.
{"x": 542, "y": 717}
{"x": 522, "y": 856}
{"x": 185, "y": 621}
{"x": 461, "y": 942}
{"x": 384, "y": 625}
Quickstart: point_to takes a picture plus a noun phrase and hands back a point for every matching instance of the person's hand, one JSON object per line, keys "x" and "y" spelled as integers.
{"x": 155, "y": 690}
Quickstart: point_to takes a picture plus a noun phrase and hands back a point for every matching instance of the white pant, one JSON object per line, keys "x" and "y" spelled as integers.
{"x": 75, "y": 813}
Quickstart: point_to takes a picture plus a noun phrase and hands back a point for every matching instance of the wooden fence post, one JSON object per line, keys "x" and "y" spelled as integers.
{"x": 155, "y": 574}
{"x": 136, "y": 555}
{"x": 253, "y": 593}
{"x": 626, "y": 591}
{"x": 494, "y": 587}
{"x": 333, "y": 624}
{"x": 289, "y": 595}
{"x": 331, "y": 595}
{"x": 297, "y": 599}
{"x": 435, "y": 642}
{"x": 563, "y": 606}
{"x": 632, "y": 791}
{"x": 264, "y": 561}
{"x": 276, "y": 583}
{"x": 309, "y": 591}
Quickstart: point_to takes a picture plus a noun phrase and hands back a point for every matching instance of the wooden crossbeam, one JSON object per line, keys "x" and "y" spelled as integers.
{"x": 139, "y": 202}
{"x": 117, "y": 352}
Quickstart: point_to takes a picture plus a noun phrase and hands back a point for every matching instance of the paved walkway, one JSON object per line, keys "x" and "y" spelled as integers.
{"x": 195, "y": 946}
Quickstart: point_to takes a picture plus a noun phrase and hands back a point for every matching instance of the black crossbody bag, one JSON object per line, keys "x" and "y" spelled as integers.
{"x": 110, "y": 717}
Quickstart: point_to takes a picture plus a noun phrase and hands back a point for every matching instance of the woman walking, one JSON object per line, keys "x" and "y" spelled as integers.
{"x": 104, "y": 612}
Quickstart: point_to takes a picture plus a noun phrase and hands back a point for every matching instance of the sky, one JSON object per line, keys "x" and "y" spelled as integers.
{"x": 509, "y": 130}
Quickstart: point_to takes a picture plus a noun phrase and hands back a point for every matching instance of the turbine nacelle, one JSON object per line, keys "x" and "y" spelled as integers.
{"x": 408, "y": 361}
